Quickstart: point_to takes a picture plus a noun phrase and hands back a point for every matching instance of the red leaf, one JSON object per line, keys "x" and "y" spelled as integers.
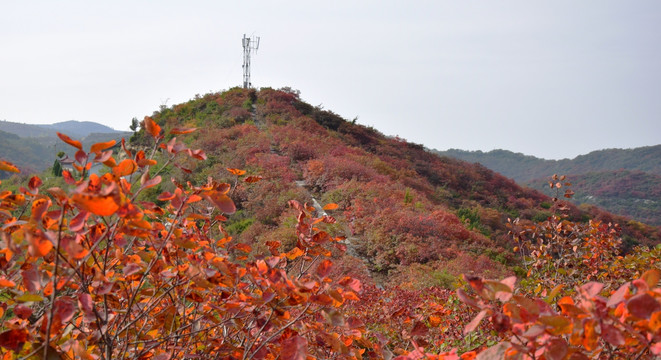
{"x": 105, "y": 157}
{"x": 186, "y": 170}
{"x": 74, "y": 143}
{"x": 31, "y": 280}
{"x": 78, "y": 222}
{"x": 643, "y": 305}
{"x": 131, "y": 269}
{"x": 618, "y": 296}
{"x": 197, "y": 154}
{"x": 147, "y": 183}
{"x": 64, "y": 308}
{"x": 294, "y": 348}
{"x": 85, "y": 303}
{"x": 466, "y": 299}
{"x": 22, "y": 311}
{"x": 556, "y": 349}
{"x": 324, "y": 268}
{"x": 351, "y": 283}
{"x": 222, "y": 202}
{"x": 35, "y": 183}
{"x": 419, "y": 329}
{"x": 475, "y": 322}
{"x": 14, "y": 339}
{"x": 612, "y": 334}
{"x": 152, "y": 128}
{"x": 656, "y": 348}
{"x": 66, "y": 174}
{"x": 252, "y": 179}
{"x": 591, "y": 289}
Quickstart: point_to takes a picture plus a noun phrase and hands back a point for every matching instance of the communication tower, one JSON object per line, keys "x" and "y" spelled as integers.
{"x": 249, "y": 44}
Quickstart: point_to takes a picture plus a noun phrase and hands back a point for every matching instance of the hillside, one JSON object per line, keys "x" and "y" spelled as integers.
{"x": 401, "y": 205}
{"x": 250, "y": 225}
{"x": 29, "y": 154}
{"x": 622, "y": 181}
{"x": 635, "y": 194}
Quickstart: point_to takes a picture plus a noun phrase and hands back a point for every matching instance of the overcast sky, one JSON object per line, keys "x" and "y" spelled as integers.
{"x": 552, "y": 79}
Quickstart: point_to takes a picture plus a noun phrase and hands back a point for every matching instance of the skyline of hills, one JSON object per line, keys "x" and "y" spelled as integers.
{"x": 624, "y": 181}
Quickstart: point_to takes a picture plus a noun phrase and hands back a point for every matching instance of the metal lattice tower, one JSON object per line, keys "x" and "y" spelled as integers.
{"x": 249, "y": 44}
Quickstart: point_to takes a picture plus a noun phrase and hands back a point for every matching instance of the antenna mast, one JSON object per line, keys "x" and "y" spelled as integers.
{"x": 249, "y": 43}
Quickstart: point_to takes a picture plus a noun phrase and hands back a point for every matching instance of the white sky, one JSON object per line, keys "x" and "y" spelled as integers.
{"x": 554, "y": 79}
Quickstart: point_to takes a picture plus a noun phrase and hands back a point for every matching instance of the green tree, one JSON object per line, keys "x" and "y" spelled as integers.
{"x": 134, "y": 124}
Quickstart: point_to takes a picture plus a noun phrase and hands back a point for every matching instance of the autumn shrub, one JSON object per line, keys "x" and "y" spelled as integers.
{"x": 89, "y": 272}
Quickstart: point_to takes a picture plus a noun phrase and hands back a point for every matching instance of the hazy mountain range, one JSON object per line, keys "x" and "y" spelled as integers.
{"x": 624, "y": 181}
{"x": 33, "y": 148}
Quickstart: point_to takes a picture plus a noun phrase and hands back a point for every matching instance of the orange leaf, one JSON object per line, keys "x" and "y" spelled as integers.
{"x": 152, "y": 127}
{"x": 39, "y": 208}
{"x": 146, "y": 162}
{"x": 294, "y": 253}
{"x": 7, "y": 166}
{"x": 40, "y": 245}
{"x": 330, "y": 206}
{"x": 193, "y": 198}
{"x": 434, "y": 320}
{"x": 237, "y": 172}
{"x": 68, "y": 140}
{"x": 102, "y": 205}
{"x": 126, "y": 167}
{"x": 243, "y": 247}
{"x": 98, "y": 147}
{"x": 128, "y": 153}
{"x": 177, "y": 131}
{"x": 6, "y": 283}
{"x": 652, "y": 277}
{"x": 111, "y": 163}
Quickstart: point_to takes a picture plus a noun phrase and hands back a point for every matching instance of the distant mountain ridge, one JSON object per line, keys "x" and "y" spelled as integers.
{"x": 72, "y": 128}
{"x": 33, "y": 148}
{"x": 524, "y": 168}
{"x": 624, "y": 181}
